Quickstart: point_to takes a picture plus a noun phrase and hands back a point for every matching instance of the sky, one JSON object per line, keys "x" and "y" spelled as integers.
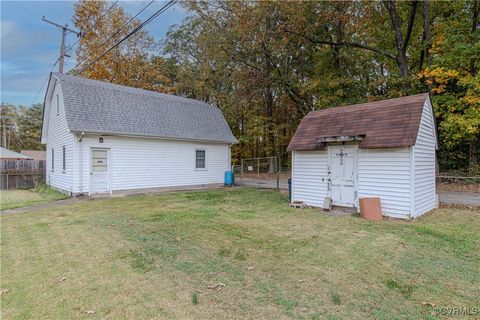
{"x": 29, "y": 46}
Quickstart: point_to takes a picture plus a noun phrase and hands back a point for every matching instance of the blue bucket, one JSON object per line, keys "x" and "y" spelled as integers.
{"x": 229, "y": 180}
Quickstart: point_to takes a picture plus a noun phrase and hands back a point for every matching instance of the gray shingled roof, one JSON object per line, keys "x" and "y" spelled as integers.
{"x": 9, "y": 154}
{"x": 101, "y": 107}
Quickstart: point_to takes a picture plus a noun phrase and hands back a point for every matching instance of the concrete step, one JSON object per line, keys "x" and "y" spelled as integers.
{"x": 350, "y": 210}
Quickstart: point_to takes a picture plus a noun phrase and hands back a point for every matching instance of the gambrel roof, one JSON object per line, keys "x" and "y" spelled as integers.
{"x": 392, "y": 123}
{"x": 93, "y": 106}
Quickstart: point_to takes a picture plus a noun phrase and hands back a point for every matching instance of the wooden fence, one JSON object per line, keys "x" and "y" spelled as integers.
{"x": 21, "y": 174}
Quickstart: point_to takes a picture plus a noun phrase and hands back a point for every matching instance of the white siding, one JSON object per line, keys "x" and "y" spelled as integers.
{"x": 385, "y": 173}
{"x": 138, "y": 163}
{"x": 59, "y": 136}
{"x": 424, "y": 163}
{"x": 310, "y": 177}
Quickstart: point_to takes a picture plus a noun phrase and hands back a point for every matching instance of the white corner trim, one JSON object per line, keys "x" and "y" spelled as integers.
{"x": 412, "y": 182}
{"x": 292, "y": 178}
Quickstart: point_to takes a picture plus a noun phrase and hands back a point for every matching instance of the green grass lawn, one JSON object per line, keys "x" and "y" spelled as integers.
{"x": 20, "y": 198}
{"x": 233, "y": 254}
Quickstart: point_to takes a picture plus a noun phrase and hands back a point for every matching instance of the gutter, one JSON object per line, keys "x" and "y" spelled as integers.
{"x": 155, "y": 137}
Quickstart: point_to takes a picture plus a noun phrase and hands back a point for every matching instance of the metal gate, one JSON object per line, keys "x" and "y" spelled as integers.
{"x": 263, "y": 172}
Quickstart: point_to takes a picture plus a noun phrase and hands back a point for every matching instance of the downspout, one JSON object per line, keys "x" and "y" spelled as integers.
{"x": 80, "y": 163}
{"x": 229, "y": 162}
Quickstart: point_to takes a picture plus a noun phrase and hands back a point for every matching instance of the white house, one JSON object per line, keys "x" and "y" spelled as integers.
{"x": 381, "y": 149}
{"x": 101, "y": 138}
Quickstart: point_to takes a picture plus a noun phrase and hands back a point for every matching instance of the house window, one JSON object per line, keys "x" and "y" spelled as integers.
{"x": 63, "y": 159}
{"x": 58, "y": 104}
{"x": 200, "y": 159}
{"x": 53, "y": 159}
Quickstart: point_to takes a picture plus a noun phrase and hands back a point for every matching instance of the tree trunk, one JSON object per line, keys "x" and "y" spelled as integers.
{"x": 475, "y": 15}
{"x": 269, "y": 105}
{"x": 472, "y": 159}
{"x": 401, "y": 42}
{"x": 268, "y": 95}
{"x": 336, "y": 48}
{"x": 402, "y": 64}
{"x": 426, "y": 41}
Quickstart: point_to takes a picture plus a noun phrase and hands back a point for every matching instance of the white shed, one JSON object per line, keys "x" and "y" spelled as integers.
{"x": 383, "y": 149}
{"x": 102, "y": 137}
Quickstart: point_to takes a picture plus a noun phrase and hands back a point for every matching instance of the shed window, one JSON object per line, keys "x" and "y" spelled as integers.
{"x": 200, "y": 159}
{"x": 53, "y": 159}
{"x": 63, "y": 159}
{"x": 58, "y": 104}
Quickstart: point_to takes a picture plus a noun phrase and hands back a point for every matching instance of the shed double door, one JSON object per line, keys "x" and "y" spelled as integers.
{"x": 342, "y": 175}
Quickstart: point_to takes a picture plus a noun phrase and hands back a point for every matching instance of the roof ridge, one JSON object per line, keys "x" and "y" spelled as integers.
{"x": 371, "y": 104}
{"x": 125, "y": 88}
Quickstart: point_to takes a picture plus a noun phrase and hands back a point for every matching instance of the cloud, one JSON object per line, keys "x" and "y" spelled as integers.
{"x": 7, "y": 27}
{"x": 30, "y": 46}
{"x": 16, "y": 40}
{"x": 10, "y": 68}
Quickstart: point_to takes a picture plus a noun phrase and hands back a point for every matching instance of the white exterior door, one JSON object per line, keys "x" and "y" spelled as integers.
{"x": 342, "y": 163}
{"x": 99, "y": 171}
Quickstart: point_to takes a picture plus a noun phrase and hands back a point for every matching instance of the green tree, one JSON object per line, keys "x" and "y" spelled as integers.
{"x": 29, "y": 126}
{"x": 455, "y": 82}
{"x": 267, "y": 64}
{"x": 7, "y": 122}
{"x": 21, "y": 127}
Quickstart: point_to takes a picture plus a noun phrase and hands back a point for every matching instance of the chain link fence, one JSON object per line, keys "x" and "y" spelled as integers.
{"x": 262, "y": 172}
{"x": 459, "y": 187}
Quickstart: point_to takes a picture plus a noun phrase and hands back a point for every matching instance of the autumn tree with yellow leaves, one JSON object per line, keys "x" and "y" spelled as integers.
{"x": 266, "y": 64}
{"x": 454, "y": 80}
{"x": 132, "y": 63}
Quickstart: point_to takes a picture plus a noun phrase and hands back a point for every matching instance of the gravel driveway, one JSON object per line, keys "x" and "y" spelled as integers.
{"x": 462, "y": 198}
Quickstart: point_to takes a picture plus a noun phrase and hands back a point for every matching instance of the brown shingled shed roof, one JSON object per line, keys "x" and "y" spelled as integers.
{"x": 391, "y": 123}
{"x": 35, "y": 154}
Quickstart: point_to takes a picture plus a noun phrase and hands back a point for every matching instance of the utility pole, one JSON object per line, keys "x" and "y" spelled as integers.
{"x": 4, "y": 127}
{"x": 65, "y": 29}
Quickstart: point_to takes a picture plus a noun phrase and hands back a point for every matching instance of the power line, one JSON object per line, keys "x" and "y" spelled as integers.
{"x": 150, "y": 19}
{"x": 45, "y": 81}
{"x": 116, "y": 33}
{"x": 94, "y": 25}
{"x": 65, "y": 30}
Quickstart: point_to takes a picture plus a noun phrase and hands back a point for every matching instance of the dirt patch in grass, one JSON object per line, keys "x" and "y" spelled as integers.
{"x": 236, "y": 254}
